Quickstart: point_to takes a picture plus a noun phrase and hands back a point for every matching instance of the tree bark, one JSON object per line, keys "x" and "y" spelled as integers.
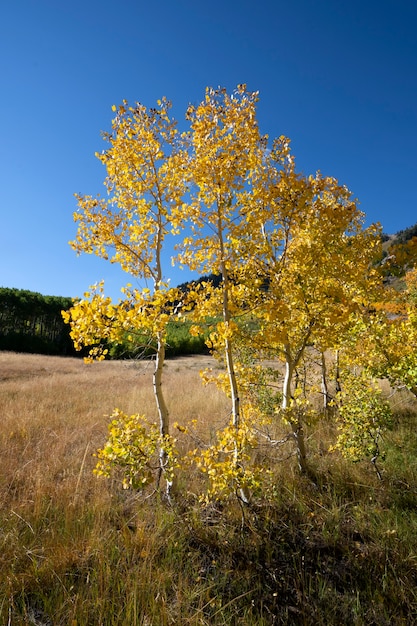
{"x": 289, "y": 373}
{"x": 234, "y": 391}
{"x": 296, "y": 424}
{"x": 298, "y": 431}
{"x": 324, "y": 387}
{"x": 163, "y": 413}
{"x": 337, "y": 372}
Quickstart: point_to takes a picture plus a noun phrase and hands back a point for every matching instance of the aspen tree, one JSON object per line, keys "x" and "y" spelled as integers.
{"x": 146, "y": 182}
{"x": 317, "y": 260}
{"x": 294, "y": 259}
{"x": 226, "y": 151}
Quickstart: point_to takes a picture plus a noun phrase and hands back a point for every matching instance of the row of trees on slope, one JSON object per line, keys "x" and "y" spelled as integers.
{"x": 31, "y": 322}
{"x": 299, "y": 283}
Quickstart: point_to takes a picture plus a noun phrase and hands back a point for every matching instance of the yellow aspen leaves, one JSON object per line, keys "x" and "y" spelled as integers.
{"x": 294, "y": 262}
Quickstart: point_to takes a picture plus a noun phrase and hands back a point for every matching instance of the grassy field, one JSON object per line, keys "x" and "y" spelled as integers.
{"x": 77, "y": 550}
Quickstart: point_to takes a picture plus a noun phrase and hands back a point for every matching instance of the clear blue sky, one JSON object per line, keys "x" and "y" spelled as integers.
{"x": 339, "y": 78}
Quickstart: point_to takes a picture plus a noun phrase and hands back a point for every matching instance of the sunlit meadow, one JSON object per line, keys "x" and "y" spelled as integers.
{"x": 78, "y": 550}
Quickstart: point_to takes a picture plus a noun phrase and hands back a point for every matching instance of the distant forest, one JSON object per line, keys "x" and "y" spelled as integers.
{"x": 405, "y": 235}
{"x": 32, "y": 322}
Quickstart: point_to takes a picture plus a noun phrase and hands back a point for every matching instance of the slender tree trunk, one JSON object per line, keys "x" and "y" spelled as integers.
{"x": 337, "y": 372}
{"x": 162, "y": 409}
{"x": 324, "y": 387}
{"x": 244, "y": 493}
{"x": 289, "y": 373}
{"x": 228, "y": 344}
{"x": 298, "y": 431}
{"x": 233, "y": 384}
{"x": 296, "y": 424}
{"x": 234, "y": 391}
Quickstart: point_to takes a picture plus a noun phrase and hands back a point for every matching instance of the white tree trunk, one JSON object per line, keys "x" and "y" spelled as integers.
{"x": 234, "y": 391}
{"x": 296, "y": 423}
{"x": 289, "y": 373}
{"x": 324, "y": 387}
{"x": 337, "y": 372}
{"x": 162, "y": 409}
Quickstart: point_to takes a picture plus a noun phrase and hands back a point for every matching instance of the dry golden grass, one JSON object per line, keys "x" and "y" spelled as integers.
{"x": 56, "y": 516}
{"x": 55, "y": 412}
{"x": 76, "y": 549}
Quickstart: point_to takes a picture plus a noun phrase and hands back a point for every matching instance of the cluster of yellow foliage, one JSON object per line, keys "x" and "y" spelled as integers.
{"x": 132, "y": 451}
{"x": 228, "y": 463}
{"x": 296, "y": 266}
